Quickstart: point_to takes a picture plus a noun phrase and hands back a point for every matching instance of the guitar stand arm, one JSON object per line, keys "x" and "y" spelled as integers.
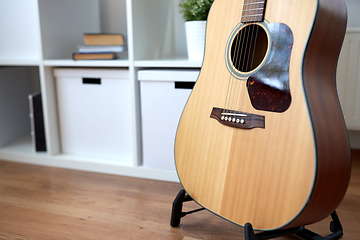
{"x": 302, "y": 232}
{"x": 177, "y": 213}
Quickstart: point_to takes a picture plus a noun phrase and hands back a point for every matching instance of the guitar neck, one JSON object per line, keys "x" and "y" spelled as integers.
{"x": 253, "y": 11}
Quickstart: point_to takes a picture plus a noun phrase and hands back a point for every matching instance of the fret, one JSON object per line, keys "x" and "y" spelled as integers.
{"x": 246, "y": 10}
{"x": 253, "y": 11}
{"x": 262, "y": 2}
{"x": 255, "y": 15}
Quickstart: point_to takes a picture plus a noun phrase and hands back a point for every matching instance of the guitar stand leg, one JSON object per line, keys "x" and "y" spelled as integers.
{"x": 302, "y": 232}
{"x": 250, "y": 235}
{"x": 177, "y": 213}
{"x": 335, "y": 228}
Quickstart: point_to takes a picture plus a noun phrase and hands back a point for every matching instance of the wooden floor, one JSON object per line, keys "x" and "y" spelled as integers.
{"x": 49, "y": 203}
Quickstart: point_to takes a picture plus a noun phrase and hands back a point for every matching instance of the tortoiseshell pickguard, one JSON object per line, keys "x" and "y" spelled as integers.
{"x": 269, "y": 88}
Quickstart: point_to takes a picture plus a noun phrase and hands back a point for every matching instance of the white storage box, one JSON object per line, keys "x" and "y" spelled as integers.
{"x": 94, "y": 107}
{"x": 164, "y": 94}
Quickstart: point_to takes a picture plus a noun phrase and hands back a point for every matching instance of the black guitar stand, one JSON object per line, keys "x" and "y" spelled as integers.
{"x": 302, "y": 232}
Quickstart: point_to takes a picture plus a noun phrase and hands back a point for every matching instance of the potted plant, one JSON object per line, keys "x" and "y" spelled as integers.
{"x": 195, "y": 13}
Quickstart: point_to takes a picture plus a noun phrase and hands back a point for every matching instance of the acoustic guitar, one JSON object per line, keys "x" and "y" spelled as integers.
{"x": 262, "y": 137}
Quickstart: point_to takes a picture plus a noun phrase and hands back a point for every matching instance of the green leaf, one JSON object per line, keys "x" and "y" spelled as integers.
{"x": 195, "y": 10}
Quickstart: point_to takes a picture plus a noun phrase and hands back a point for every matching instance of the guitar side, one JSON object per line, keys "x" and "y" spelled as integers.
{"x": 272, "y": 177}
{"x": 330, "y": 134}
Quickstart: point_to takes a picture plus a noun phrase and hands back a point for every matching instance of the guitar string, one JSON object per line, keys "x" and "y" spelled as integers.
{"x": 240, "y": 48}
{"x": 247, "y": 68}
{"x": 232, "y": 80}
{"x": 253, "y": 53}
{"x": 240, "y": 51}
{"x": 244, "y": 68}
{"x": 243, "y": 46}
{"x": 255, "y": 43}
{"x": 243, "y": 93}
{"x": 243, "y": 43}
{"x": 252, "y": 60}
{"x": 244, "y": 58}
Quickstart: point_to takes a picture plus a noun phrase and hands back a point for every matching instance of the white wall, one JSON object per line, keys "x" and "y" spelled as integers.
{"x": 353, "y": 7}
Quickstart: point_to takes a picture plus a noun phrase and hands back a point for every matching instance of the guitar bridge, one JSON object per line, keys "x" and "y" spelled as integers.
{"x": 238, "y": 119}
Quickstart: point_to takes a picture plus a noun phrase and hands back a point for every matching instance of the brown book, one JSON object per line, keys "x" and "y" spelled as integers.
{"x": 94, "y": 56}
{"x": 103, "y": 39}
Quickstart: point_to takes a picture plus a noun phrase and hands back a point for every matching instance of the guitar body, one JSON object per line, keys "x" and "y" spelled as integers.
{"x": 290, "y": 167}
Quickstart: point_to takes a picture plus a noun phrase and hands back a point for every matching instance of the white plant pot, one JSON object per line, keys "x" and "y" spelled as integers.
{"x": 195, "y": 39}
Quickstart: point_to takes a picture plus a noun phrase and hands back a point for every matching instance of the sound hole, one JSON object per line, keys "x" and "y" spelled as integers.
{"x": 249, "y": 48}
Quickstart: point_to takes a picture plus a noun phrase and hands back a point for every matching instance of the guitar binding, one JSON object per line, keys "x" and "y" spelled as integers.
{"x": 302, "y": 232}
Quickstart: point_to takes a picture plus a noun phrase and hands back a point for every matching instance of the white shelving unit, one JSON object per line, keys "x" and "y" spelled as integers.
{"x": 40, "y": 35}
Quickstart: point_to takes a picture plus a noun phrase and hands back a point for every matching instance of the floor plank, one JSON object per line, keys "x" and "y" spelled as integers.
{"x": 50, "y": 203}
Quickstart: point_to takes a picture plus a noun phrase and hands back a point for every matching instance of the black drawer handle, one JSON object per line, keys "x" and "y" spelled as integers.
{"x": 184, "y": 85}
{"x": 91, "y": 80}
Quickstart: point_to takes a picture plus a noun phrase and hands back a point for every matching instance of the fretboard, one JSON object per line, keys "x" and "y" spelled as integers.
{"x": 253, "y": 11}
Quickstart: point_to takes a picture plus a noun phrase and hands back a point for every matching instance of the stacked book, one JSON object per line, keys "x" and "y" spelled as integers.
{"x": 100, "y": 46}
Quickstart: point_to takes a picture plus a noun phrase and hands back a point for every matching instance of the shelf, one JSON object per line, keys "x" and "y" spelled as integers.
{"x": 66, "y": 63}
{"x": 86, "y": 63}
{"x": 21, "y": 146}
{"x": 19, "y": 62}
{"x": 25, "y": 147}
{"x": 22, "y": 151}
{"x": 174, "y": 63}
